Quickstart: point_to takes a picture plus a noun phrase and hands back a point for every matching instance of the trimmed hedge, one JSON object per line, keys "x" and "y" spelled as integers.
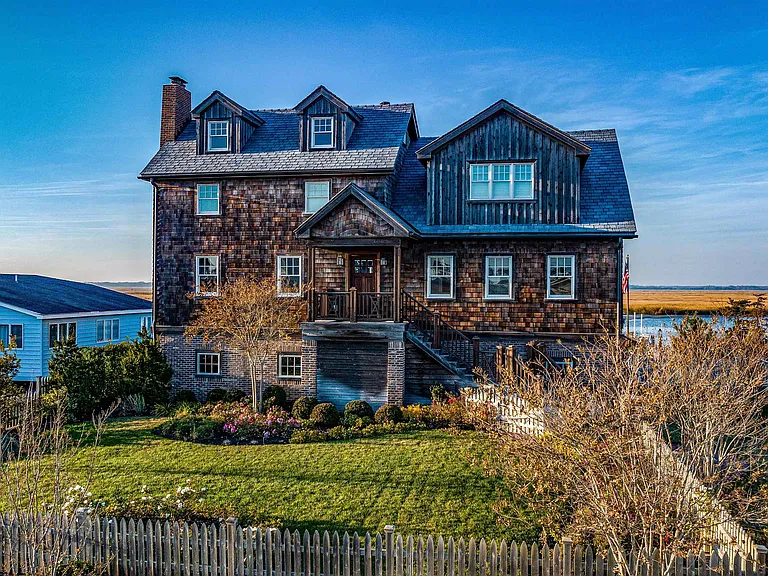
{"x": 302, "y": 408}
{"x": 389, "y": 414}
{"x": 358, "y": 409}
{"x": 184, "y": 397}
{"x": 325, "y": 414}
{"x": 274, "y": 397}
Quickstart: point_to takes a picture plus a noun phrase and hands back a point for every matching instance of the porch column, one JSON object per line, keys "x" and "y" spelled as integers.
{"x": 311, "y": 283}
{"x": 309, "y": 367}
{"x": 397, "y": 283}
{"x": 395, "y": 372}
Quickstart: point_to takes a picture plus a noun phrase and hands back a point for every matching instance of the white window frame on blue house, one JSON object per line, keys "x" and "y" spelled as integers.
{"x": 314, "y": 131}
{"x": 19, "y": 340}
{"x": 208, "y": 194}
{"x": 217, "y": 125}
{"x": 69, "y": 331}
{"x": 114, "y": 330}
{"x": 146, "y": 322}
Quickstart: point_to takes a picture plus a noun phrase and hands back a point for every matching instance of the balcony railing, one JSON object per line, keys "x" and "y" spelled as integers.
{"x": 353, "y": 306}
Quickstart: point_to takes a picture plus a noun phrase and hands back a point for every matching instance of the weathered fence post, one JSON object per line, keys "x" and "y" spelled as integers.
{"x": 762, "y": 553}
{"x": 389, "y": 552}
{"x": 567, "y": 556}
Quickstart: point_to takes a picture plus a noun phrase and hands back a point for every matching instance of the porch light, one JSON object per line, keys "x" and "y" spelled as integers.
{"x": 383, "y": 261}
{"x": 340, "y": 260}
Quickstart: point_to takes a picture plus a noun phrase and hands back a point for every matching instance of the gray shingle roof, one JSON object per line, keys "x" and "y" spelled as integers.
{"x": 45, "y": 295}
{"x": 606, "y": 207}
{"x": 274, "y": 147}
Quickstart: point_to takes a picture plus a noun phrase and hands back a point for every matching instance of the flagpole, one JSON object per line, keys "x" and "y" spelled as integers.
{"x": 628, "y": 290}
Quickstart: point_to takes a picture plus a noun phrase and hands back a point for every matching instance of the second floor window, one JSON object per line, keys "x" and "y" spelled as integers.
{"x": 440, "y": 276}
{"x": 12, "y": 335}
{"x": 208, "y": 199}
{"x": 498, "y": 277}
{"x": 501, "y": 181}
{"x": 207, "y": 275}
{"x": 289, "y": 275}
{"x": 61, "y": 331}
{"x": 108, "y": 330}
{"x": 316, "y": 195}
{"x": 218, "y": 135}
{"x": 561, "y": 277}
{"x": 322, "y": 132}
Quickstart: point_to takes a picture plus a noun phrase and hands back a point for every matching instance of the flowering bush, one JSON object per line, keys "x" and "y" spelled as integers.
{"x": 450, "y": 413}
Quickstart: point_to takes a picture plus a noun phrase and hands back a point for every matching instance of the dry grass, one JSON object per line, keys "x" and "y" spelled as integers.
{"x": 684, "y": 301}
{"x": 145, "y": 293}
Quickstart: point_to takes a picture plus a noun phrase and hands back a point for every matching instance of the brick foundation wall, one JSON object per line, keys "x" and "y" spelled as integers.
{"x": 309, "y": 367}
{"x": 395, "y": 372}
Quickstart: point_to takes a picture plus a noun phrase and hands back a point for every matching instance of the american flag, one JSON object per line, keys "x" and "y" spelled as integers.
{"x": 625, "y": 276}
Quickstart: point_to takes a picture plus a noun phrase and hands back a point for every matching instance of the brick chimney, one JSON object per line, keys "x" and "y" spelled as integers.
{"x": 177, "y": 109}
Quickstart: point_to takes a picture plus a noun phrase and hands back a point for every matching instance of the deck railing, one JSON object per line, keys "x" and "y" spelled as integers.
{"x": 353, "y": 306}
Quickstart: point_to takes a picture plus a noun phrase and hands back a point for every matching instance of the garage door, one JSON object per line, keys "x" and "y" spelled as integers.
{"x": 352, "y": 370}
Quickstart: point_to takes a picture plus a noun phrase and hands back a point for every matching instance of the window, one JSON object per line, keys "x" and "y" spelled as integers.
{"x": 322, "y": 132}
{"x": 290, "y": 365}
{"x": 207, "y": 275}
{"x": 561, "y": 277}
{"x": 316, "y": 194}
{"x": 208, "y": 364}
{"x": 218, "y": 135}
{"x": 498, "y": 277}
{"x": 108, "y": 330}
{"x": 208, "y": 200}
{"x": 12, "y": 335}
{"x": 146, "y": 324}
{"x": 501, "y": 182}
{"x": 61, "y": 331}
{"x": 440, "y": 277}
{"x": 289, "y": 275}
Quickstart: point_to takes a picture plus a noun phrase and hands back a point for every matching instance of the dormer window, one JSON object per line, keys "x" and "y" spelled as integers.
{"x": 218, "y": 135}
{"x": 322, "y": 132}
{"x": 501, "y": 181}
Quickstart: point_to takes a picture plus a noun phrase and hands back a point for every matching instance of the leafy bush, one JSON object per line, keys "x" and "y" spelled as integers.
{"x": 182, "y": 396}
{"x": 190, "y": 429}
{"x": 216, "y": 395}
{"x": 325, "y": 414}
{"x": 359, "y": 409}
{"x": 234, "y": 395}
{"x": 97, "y": 377}
{"x": 75, "y": 567}
{"x": 302, "y": 408}
{"x": 345, "y": 433}
{"x": 274, "y": 397}
{"x": 389, "y": 413}
{"x": 449, "y": 414}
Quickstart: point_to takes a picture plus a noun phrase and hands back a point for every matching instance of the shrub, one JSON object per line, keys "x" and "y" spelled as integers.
{"x": 182, "y": 396}
{"x": 389, "y": 413}
{"x": 325, "y": 414}
{"x": 308, "y": 436}
{"x": 216, "y": 395}
{"x": 234, "y": 395}
{"x": 274, "y": 397}
{"x": 359, "y": 409}
{"x": 302, "y": 408}
{"x": 74, "y": 567}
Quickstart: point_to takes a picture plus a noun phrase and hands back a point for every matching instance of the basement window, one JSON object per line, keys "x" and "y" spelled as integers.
{"x": 218, "y": 135}
{"x": 208, "y": 364}
{"x": 322, "y": 132}
{"x": 290, "y": 366}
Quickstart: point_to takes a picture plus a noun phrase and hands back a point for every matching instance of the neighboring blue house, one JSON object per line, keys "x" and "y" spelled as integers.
{"x": 36, "y": 311}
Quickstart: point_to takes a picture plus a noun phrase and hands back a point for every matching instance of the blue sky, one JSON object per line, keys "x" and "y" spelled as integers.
{"x": 686, "y": 86}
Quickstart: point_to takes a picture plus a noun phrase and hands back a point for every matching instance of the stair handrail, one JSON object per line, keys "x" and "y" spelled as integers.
{"x": 540, "y": 358}
{"x": 442, "y": 331}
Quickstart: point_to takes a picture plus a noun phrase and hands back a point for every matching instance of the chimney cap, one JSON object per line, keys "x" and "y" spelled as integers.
{"x": 177, "y": 80}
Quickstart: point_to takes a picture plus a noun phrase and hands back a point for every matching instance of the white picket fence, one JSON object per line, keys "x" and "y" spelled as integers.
{"x": 146, "y": 548}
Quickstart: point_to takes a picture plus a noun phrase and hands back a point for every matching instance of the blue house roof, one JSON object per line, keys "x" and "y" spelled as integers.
{"x": 48, "y": 296}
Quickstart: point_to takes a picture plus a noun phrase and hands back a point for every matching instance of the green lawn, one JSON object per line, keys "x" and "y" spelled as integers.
{"x": 421, "y": 482}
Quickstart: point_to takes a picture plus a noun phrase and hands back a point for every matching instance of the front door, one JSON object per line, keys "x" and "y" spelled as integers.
{"x": 363, "y": 273}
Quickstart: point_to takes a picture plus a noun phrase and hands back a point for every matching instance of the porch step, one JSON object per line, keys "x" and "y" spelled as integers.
{"x": 423, "y": 342}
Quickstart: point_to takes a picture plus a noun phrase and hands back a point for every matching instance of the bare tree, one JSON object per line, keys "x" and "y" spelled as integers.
{"x": 44, "y": 481}
{"x": 643, "y": 446}
{"x": 251, "y": 318}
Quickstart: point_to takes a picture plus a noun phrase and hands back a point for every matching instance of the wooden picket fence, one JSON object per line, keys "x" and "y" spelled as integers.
{"x": 146, "y": 548}
{"x": 11, "y": 414}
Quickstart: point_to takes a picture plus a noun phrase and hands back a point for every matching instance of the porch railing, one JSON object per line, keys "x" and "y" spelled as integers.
{"x": 353, "y": 306}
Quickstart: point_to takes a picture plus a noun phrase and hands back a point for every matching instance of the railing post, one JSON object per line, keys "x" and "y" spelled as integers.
{"x": 389, "y": 542}
{"x": 475, "y": 352}
{"x": 311, "y": 311}
{"x": 435, "y": 331}
{"x": 353, "y": 304}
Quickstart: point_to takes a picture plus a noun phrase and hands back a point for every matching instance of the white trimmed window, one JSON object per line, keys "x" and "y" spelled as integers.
{"x": 316, "y": 195}
{"x": 289, "y": 275}
{"x": 440, "y": 276}
{"x": 501, "y": 181}
{"x": 498, "y": 277}
{"x": 208, "y": 364}
{"x": 218, "y": 135}
{"x": 561, "y": 277}
{"x": 208, "y": 200}
{"x": 146, "y": 324}
{"x": 12, "y": 334}
{"x": 61, "y": 331}
{"x": 108, "y": 330}
{"x": 207, "y": 275}
{"x": 290, "y": 366}
{"x": 322, "y": 132}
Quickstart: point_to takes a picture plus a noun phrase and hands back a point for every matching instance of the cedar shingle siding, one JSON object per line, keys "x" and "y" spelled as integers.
{"x": 410, "y": 199}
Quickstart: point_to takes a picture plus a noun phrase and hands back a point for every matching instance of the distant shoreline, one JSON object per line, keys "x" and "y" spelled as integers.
{"x": 707, "y": 288}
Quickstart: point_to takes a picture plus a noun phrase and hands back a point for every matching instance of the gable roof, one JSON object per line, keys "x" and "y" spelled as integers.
{"x": 217, "y": 96}
{"x": 274, "y": 147}
{"x": 43, "y": 296}
{"x": 401, "y": 228}
{"x": 322, "y": 91}
{"x": 502, "y": 105}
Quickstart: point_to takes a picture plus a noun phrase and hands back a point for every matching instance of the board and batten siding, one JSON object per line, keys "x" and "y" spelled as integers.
{"x": 557, "y": 171}
{"x": 29, "y": 354}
